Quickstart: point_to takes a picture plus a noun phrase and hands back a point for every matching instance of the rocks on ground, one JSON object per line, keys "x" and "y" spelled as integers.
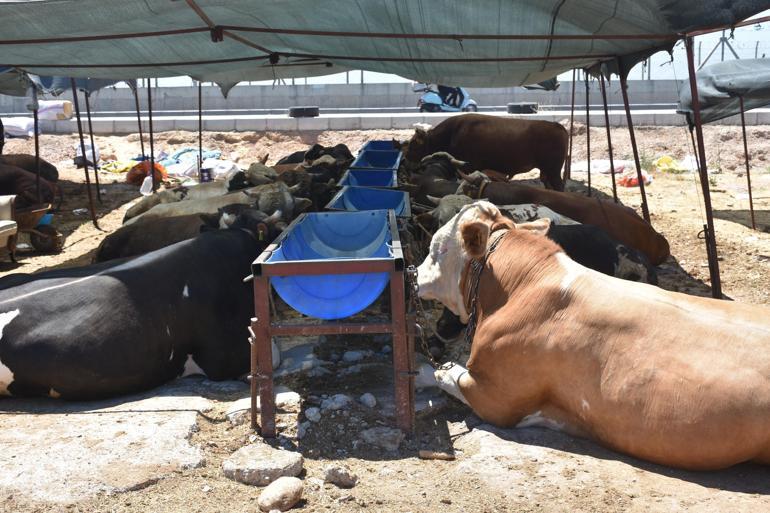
{"x": 388, "y": 438}
{"x": 368, "y": 400}
{"x": 340, "y": 476}
{"x": 259, "y": 464}
{"x": 282, "y": 494}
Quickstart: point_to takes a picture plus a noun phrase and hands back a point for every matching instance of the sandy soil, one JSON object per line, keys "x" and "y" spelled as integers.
{"x": 400, "y": 481}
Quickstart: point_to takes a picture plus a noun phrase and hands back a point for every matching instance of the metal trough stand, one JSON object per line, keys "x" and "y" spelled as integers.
{"x": 262, "y": 328}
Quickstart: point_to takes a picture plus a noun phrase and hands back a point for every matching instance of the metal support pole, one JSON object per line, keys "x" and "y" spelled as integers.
{"x": 402, "y": 357}
{"x": 200, "y": 129}
{"x": 139, "y": 118}
{"x": 83, "y": 152}
{"x": 2, "y": 136}
{"x": 568, "y": 167}
{"x": 711, "y": 246}
{"x": 152, "y": 146}
{"x": 624, "y": 91}
{"x": 93, "y": 145}
{"x": 37, "y": 155}
{"x": 609, "y": 137}
{"x": 748, "y": 170}
{"x": 588, "y": 135}
{"x": 262, "y": 360}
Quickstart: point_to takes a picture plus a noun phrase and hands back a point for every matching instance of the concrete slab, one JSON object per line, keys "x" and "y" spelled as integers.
{"x": 62, "y": 452}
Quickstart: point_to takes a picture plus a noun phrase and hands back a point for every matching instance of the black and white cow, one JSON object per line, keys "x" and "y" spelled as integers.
{"x": 128, "y": 325}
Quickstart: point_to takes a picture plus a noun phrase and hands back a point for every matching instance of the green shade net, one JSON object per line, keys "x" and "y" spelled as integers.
{"x": 244, "y": 54}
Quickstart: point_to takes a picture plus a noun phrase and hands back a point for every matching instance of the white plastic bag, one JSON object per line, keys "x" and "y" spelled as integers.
{"x": 89, "y": 153}
{"x": 54, "y": 110}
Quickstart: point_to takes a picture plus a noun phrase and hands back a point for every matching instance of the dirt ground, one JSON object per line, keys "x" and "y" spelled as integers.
{"x": 533, "y": 470}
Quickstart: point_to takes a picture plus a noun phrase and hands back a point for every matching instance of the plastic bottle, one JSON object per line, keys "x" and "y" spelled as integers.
{"x": 146, "y": 188}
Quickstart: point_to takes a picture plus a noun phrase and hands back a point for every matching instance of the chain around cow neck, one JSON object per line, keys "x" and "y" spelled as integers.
{"x": 473, "y": 278}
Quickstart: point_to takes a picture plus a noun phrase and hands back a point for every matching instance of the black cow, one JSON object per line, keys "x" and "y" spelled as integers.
{"x": 297, "y": 157}
{"x": 129, "y": 325}
{"x": 340, "y": 152}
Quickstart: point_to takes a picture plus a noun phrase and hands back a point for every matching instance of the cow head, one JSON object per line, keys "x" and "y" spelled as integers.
{"x": 417, "y": 147}
{"x": 464, "y": 237}
{"x": 264, "y": 228}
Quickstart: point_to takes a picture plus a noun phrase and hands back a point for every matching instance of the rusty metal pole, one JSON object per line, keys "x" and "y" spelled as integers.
{"x": 93, "y": 145}
{"x": 139, "y": 117}
{"x": 711, "y": 246}
{"x": 402, "y": 366}
{"x": 200, "y": 129}
{"x": 609, "y": 136}
{"x": 748, "y": 170}
{"x": 152, "y": 146}
{"x": 37, "y": 153}
{"x": 629, "y": 121}
{"x": 83, "y": 152}
{"x": 588, "y": 135}
{"x": 262, "y": 359}
{"x": 568, "y": 167}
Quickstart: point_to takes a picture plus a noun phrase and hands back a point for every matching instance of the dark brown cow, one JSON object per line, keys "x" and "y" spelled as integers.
{"x": 510, "y": 146}
{"x": 620, "y": 222}
{"x": 15, "y": 180}
{"x": 27, "y": 162}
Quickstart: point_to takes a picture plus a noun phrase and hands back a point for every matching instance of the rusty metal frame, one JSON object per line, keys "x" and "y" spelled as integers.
{"x": 37, "y": 147}
{"x": 635, "y": 148}
{"x": 609, "y": 136}
{"x": 588, "y": 134}
{"x": 262, "y": 329}
{"x": 139, "y": 117}
{"x": 568, "y": 165}
{"x": 748, "y": 167}
{"x": 87, "y": 95}
{"x": 73, "y": 85}
{"x": 200, "y": 129}
{"x": 711, "y": 245}
{"x": 152, "y": 143}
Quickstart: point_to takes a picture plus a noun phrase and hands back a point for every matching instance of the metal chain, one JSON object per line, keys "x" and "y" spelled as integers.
{"x": 422, "y": 318}
{"x": 477, "y": 267}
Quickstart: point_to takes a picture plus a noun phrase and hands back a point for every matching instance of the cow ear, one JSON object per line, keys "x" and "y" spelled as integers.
{"x": 538, "y": 227}
{"x": 475, "y": 236}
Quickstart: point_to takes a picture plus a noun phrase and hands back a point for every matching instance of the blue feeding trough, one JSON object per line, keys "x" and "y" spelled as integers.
{"x": 355, "y": 199}
{"x": 378, "y": 146}
{"x": 369, "y": 178}
{"x": 373, "y": 159}
{"x": 334, "y": 236}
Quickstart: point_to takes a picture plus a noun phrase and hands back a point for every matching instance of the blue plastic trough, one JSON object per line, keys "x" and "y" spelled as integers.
{"x": 341, "y": 236}
{"x": 369, "y": 178}
{"x": 372, "y": 159}
{"x": 378, "y": 146}
{"x": 355, "y": 199}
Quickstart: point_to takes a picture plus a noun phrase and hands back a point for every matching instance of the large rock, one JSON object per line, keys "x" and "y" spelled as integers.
{"x": 259, "y": 464}
{"x": 239, "y": 412}
{"x": 281, "y": 495}
{"x": 387, "y": 438}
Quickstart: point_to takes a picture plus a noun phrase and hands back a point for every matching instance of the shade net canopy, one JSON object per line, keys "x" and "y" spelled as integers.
{"x": 721, "y": 87}
{"x": 481, "y": 43}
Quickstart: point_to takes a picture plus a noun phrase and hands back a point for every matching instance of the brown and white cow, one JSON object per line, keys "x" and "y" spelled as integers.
{"x": 674, "y": 379}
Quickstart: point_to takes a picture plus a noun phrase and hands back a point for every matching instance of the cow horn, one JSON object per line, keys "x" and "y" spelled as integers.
{"x": 295, "y": 188}
{"x": 433, "y": 199}
{"x": 459, "y": 164}
{"x": 264, "y": 159}
{"x": 465, "y": 177}
{"x": 275, "y": 216}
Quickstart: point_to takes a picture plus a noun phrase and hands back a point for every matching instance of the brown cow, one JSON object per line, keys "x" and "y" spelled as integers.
{"x": 674, "y": 379}
{"x": 15, "y": 180}
{"x": 27, "y": 162}
{"x": 508, "y": 145}
{"x": 620, "y": 222}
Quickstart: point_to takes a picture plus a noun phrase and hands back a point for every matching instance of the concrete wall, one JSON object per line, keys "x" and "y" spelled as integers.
{"x": 353, "y": 96}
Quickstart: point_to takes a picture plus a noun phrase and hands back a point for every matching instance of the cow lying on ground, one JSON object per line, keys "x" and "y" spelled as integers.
{"x": 620, "y": 222}
{"x": 22, "y": 183}
{"x": 510, "y": 146}
{"x": 129, "y": 325}
{"x": 27, "y": 162}
{"x": 267, "y": 198}
{"x": 150, "y": 234}
{"x": 674, "y": 379}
